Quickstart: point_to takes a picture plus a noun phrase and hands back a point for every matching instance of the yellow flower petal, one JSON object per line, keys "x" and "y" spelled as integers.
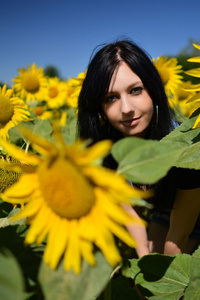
{"x": 197, "y": 123}
{"x": 22, "y": 190}
{"x": 14, "y": 151}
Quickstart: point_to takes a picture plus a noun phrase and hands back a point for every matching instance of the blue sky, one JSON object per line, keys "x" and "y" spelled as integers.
{"x": 64, "y": 33}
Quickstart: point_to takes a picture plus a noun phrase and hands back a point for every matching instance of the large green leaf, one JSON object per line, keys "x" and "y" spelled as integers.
{"x": 161, "y": 277}
{"x": 193, "y": 290}
{"x": 11, "y": 278}
{"x": 144, "y": 161}
{"x": 62, "y": 285}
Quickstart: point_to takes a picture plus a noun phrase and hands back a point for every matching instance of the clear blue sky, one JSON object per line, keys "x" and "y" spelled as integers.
{"x": 63, "y": 33}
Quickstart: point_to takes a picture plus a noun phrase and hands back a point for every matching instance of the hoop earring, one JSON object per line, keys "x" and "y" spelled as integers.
{"x": 156, "y": 114}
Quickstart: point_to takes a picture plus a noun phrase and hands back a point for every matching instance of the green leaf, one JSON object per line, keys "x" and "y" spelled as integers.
{"x": 184, "y": 134}
{"x": 193, "y": 290}
{"x": 4, "y": 222}
{"x": 11, "y": 279}
{"x": 190, "y": 158}
{"x": 69, "y": 132}
{"x": 29, "y": 257}
{"x": 144, "y": 161}
{"x": 161, "y": 276}
{"x": 119, "y": 288}
{"x": 39, "y": 127}
{"x": 62, "y": 285}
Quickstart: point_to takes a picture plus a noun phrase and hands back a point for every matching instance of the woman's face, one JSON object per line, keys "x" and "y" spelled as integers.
{"x": 127, "y": 105}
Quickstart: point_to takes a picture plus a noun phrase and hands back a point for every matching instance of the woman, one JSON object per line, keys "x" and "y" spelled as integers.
{"x": 123, "y": 95}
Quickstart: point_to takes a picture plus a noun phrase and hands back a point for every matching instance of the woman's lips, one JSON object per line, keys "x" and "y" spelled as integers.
{"x": 131, "y": 122}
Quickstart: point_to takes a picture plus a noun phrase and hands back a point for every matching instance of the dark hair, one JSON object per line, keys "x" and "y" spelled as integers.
{"x": 96, "y": 84}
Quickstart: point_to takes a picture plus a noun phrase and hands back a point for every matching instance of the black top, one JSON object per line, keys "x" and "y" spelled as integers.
{"x": 177, "y": 178}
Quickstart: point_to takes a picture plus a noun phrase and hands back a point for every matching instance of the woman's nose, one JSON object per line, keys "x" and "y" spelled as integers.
{"x": 126, "y": 105}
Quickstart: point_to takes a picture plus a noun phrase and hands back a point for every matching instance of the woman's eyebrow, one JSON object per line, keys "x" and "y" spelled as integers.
{"x": 140, "y": 83}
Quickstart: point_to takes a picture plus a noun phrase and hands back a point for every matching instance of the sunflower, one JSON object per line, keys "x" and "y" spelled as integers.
{"x": 72, "y": 200}
{"x": 31, "y": 83}
{"x": 182, "y": 95}
{"x": 55, "y": 93}
{"x": 73, "y": 89}
{"x": 42, "y": 112}
{"x": 168, "y": 70}
{"x": 12, "y": 111}
{"x": 195, "y": 88}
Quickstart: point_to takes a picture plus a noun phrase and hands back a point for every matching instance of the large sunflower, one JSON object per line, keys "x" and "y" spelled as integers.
{"x": 30, "y": 84}
{"x": 71, "y": 200}
{"x": 195, "y": 88}
{"x": 169, "y": 72}
{"x": 55, "y": 93}
{"x": 12, "y": 111}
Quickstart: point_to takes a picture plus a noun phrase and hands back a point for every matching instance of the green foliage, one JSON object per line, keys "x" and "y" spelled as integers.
{"x": 39, "y": 127}
{"x": 11, "y": 278}
{"x": 187, "y": 139}
{"x": 59, "y": 284}
{"x": 143, "y": 161}
{"x": 193, "y": 289}
{"x": 51, "y": 71}
{"x": 153, "y": 276}
{"x": 160, "y": 276}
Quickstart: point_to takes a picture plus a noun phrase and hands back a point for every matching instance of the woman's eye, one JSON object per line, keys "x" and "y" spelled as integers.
{"x": 137, "y": 90}
{"x": 110, "y": 98}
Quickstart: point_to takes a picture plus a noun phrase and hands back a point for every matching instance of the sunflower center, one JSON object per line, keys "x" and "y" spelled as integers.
{"x": 164, "y": 74}
{"x": 38, "y": 110}
{"x": 31, "y": 83}
{"x": 65, "y": 189}
{"x": 53, "y": 92}
{"x": 6, "y": 110}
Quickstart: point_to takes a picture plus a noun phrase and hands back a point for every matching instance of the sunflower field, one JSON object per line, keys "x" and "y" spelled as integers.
{"x": 62, "y": 226}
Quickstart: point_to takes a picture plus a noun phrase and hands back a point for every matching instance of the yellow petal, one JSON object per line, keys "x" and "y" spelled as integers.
{"x": 121, "y": 233}
{"x": 196, "y": 46}
{"x": 57, "y": 242}
{"x": 18, "y": 154}
{"x": 106, "y": 243}
{"x": 195, "y": 98}
{"x": 193, "y": 72}
{"x": 194, "y": 59}
{"x": 72, "y": 258}
{"x": 197, "y": 123}
{"x": 30, "y": 209}
{"x": 194, "y": 87}
{"x": 93, "y": 153}
{"x": 38, "y": 223}
{"x": 21, "y": 190}
{"x": 87, "y": 252}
